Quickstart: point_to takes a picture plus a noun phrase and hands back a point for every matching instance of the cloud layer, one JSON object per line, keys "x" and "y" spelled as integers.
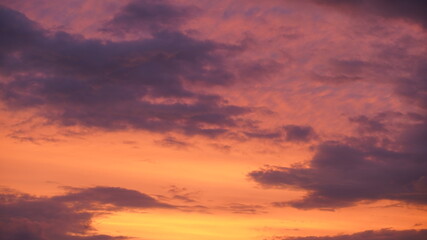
{"x": 140, "y": 84}
{"x": 350, "y": 74}
{"x": 413, "y": 10}
{"x": 385, "y": 159}
{"x": 68, "y": 216}
{"x": 384, "y": 234}
{"x": 366, "y": 168}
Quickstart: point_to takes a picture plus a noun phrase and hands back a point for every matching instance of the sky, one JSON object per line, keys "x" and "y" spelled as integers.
{"x": 207, "y": 120}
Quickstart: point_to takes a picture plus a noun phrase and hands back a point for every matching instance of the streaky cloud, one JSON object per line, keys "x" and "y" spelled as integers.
{"x": 384, "y": 234}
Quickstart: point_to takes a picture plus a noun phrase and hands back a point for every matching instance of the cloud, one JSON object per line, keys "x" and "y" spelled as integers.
{"x": 414, "y": 88}
{"x": 181, "y": 194}
{"x": 118, "y": 197}
{"x": 386, "y": 158}
{"x": 343, "y": 173}
{"x": 369, "y": 125}
{"x": 262, "y": 134}
{"x": 173, "y": 142}
{"x": 68, "y": 216}
{"x": 139, "y": 84}
{"x": 286, "y": 133}
{"x": 342, "y": 70}
{"x": 413, "y": 10}
{"x": 384, "y": 234}
{"x": 295, "y": 133}
{"x": 150, "y": 16}
{"x": 240, "y": 208}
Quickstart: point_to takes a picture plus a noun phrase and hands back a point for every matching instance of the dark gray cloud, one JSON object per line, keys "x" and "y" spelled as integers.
{"x": 118, "y": 197}
{"x": 262, "y": 134}
{"x": 384, "y": 234}
{"x": 411, "y": 10}
{"x": 369, "y": 125}
{"x": 386, "y": 160}
{"x": 384, "y": 122}
{"x": 139, "y": 84}
{"x": 240, "y": 208}
{"x": 150, "y": 16}
{"x": 414, "y": 88}
{"x": 343, "y": 173}
{"x": 295, "y": 133}
{"x": 68, "y": 216}
{"x": 341, "y": 71}
{"x": 286, "y": 133}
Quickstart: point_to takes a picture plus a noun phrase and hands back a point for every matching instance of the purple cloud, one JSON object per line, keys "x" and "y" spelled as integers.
{"x": 68, "y": 216}
{"x": 413, "y": 10}
{"x": 384, "y": 234}
{"x": 343, "y": 173}
{"x": 286, "y": 133}
{"x": 369, "y": 125}
{"x": 150, "y": 16}
{"x": 295, "y": 133}
{"x": 136, "y": 84}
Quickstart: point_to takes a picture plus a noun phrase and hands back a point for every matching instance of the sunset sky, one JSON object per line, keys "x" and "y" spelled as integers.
{"x": 213, "y": 120}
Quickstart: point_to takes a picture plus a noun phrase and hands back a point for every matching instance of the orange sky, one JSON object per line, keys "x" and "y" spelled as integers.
{"x": 235, "y": 119}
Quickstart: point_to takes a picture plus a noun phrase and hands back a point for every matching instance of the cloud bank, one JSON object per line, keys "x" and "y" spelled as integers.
{"x": 68, "y": 216}
{"x": 385, "y": 234}
{"x": 343, "y": 173}
{"x": 139, "y": 84}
